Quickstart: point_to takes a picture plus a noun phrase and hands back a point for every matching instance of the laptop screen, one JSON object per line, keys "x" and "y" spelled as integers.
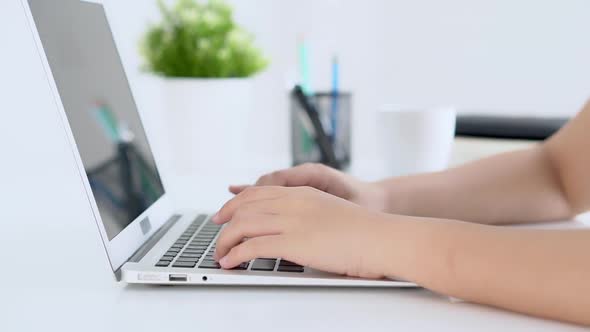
{"x": 100, "y": 109}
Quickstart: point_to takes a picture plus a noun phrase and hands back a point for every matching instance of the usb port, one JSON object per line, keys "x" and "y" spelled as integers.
{"x": 177, "y": 277}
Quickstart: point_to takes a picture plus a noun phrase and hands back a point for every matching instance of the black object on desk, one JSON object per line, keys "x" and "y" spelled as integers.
{"x": 322, "y": 140}
{"x": 527, "y": 128}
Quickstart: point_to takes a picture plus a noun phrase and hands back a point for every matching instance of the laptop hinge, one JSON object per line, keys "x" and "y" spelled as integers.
{"x": 149, "y": 243}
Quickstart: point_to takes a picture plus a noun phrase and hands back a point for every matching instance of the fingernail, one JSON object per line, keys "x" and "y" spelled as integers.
{"x": 223, "y": 262}
{"x": 215, "y": 218}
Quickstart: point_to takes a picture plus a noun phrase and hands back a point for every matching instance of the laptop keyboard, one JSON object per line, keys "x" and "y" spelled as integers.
{"x": 194, "y": 249}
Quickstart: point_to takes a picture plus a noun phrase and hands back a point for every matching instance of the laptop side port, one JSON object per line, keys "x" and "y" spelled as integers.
{"x": 177, "y": 277}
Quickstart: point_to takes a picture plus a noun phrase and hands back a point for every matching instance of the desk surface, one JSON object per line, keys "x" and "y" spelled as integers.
{"x": 55, "y": 277}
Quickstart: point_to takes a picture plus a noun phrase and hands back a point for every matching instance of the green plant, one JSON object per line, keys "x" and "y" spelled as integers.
{"x": 200, "y": 40}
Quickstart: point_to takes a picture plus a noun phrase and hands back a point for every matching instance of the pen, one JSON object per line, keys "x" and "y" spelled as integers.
{"x": 306, "y": 135}
{"x": 304, "y": 66}
{"x": 107, "y": 122}
{"x": 335, "y": 96}
{"x": 321, "y": 138}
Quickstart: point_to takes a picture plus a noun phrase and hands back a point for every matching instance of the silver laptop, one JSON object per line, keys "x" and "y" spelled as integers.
{"x": 145, "y": 240}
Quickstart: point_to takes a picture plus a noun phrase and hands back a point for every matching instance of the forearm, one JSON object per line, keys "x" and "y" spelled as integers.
{"x": 513, "y": 187}
{"x": 538, "y": 272}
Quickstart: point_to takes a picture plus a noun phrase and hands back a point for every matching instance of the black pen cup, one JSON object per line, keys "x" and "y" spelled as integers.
{"x": 335, "y": 114}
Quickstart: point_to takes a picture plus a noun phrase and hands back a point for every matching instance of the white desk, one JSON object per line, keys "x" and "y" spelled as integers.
{"x": 41, "y": 291}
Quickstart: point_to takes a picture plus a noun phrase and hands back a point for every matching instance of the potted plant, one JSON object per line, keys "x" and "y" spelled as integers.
{"x": 206, "y": 63}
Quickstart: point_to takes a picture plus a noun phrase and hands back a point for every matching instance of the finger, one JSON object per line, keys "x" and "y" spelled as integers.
{"x": 243, "y": 226}
{"x": 313, "y": 175}
{"x": 251, "y": 194}
{"x": 238, "y": 189}
{"x": 269, "y": 246}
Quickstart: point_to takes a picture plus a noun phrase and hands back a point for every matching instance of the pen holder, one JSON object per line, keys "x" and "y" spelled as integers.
{"x": 335, "y": 115}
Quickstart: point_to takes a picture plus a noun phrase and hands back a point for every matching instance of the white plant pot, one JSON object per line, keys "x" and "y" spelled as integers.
{"x": 207, "y": 122}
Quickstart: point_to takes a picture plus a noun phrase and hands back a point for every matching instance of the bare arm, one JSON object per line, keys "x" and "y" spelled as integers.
{"x": 514, "y": 187}
{"x": 548, "y": 182}
{"x": 538, "y": 272}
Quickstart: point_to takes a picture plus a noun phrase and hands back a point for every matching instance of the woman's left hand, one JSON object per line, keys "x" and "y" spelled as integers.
{"x": 306, "y": 226}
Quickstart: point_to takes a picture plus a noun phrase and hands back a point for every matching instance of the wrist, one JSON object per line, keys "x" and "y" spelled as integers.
{"x": 389, "y": 252}
{"x": 395, "y": 246}
{"x": 393, "y": 197}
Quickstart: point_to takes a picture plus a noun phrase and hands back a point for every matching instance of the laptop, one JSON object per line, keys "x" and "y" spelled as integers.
{"x": 145, "y": 240}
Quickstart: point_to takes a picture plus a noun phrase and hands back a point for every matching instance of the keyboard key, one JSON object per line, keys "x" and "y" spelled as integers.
{"x": 202, "y": 240}
{"x": 210, "y": 226}
{"x": 288, "y": 268}
{"x": 199, "y": 219}
{"x": 287, "y": 263}
{"x": 184, "y": 264}
{"x": 209, "y": 265}
{"x": 263, "y": 265}
{"x": 171, "y": 253}
{"x": 163, "y": 263}
{"x": 200, "y": 243}
{"x": 193, "y": 251}
{"x": 197, "y": 246}
{"x": 191, "y": 255}
{"x": 173, "y": 250}
{"x": 243, "y": 266}
{"x": 187, "y": 259}
{"x": 205, "y": 236}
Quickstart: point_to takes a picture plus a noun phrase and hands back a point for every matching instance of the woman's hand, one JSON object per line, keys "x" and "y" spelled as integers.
{"x": 324, "y": 178}
{"x": 306, "y": 226}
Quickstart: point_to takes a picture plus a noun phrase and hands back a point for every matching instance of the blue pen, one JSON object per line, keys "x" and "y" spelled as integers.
{"x": 335, "y": 95}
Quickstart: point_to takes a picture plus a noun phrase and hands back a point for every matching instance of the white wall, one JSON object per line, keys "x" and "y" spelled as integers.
{"x": 511, "y": 57}
{"x": 527, "y": 56}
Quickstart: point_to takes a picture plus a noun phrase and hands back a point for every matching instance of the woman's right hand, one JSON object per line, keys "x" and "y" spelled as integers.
{"x": 324, "y": 178}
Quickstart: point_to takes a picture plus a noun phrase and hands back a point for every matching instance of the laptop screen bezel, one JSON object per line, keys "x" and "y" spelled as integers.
{"x": 130, "y": 239}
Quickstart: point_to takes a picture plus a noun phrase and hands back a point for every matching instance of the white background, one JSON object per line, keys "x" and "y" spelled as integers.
{"x": 510, "y": 57}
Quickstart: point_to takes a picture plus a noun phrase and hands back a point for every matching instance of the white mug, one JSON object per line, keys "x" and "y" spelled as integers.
{"x": 414, "y": 140}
